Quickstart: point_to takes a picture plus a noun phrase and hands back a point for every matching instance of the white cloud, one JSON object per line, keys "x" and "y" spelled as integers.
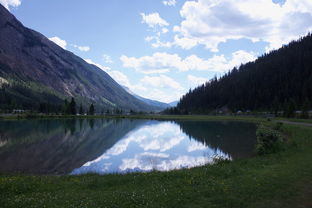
{"x": 107, "y": 59}
{"x": 153, "y": 20}
{"x": 170, "y": 3}
{"x": 10, "y": 3}
{"x": 161, "y": 81}
{"x": 157, "y": 43}
{"x": 104, "y": 68}
{"x": 196, "y": 81}
{"x": 59, "y": 41}
{"x": 164, "y": 30}
{"x": 161, "y": 88}
{"x": 184, "y": 42}
{"x": 118, "y": 76}
{"x": 152, "y": 87}
{"x": 211, "y": 22}
{"x": 82, "y": 48}
{"x": 158, "y": 63}
{"x": 164, "y": 62}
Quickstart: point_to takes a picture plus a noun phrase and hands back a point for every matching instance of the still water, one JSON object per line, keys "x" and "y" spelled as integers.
{"x": 68, "y": 146}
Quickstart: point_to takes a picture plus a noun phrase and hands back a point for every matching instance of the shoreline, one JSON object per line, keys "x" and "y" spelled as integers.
{"x": 261, "y": 181}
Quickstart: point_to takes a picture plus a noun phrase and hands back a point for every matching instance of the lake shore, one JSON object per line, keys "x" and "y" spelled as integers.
{"x": 276, "y": 180}
{"x": 138, "y": 116}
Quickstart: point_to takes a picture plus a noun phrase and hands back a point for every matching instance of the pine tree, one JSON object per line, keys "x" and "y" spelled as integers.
{"x": 72, "y": 107}
{"x": 67, "y": 110}
{"x": 91, "y": 109}
{"x": 305, "y": 109}
{"x": 81, "y": 110}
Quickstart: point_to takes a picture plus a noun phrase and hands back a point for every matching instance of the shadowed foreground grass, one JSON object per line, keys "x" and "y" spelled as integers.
{"x": 276, "y": 180}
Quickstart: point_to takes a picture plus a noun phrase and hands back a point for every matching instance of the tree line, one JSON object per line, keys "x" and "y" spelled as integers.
{"x": 279, "y": 82}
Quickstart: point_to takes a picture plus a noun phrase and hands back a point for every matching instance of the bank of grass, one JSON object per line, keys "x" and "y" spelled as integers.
{"x": 139, "y": 116}
{"x": 276, "y": 180}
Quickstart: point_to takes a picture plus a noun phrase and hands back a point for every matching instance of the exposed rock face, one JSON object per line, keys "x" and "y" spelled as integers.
{"x": 26, "y": 56}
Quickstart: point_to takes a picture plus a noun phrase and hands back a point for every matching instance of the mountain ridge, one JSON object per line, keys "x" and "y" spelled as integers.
{"x": 157, "y": 104}
{"x": 33, "y": 70}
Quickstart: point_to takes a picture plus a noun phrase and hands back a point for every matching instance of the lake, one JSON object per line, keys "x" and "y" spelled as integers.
{"x": 80, "y": 146}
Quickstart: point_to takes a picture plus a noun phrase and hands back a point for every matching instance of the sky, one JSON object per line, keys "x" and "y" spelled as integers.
{"x": 160, "y": 49}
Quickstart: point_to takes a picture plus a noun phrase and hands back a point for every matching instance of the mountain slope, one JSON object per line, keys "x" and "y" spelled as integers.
{"x": 276, "y": 81}
{"x": 173, "y": 104}
{"x": 34, "y": 70}
{"x": 158, "y": 105}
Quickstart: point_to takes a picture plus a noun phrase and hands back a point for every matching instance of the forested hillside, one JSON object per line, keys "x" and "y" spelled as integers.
{"x": 278, "y": 81}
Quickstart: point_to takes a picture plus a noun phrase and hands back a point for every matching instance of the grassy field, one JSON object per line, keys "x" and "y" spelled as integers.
{"x": 278, "y": 180}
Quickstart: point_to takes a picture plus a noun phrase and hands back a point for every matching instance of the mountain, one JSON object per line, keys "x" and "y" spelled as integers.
{"x": 156, "y": 104}
{"x": 173, "y": 104}
{"x": 278, "y": 81}
{"x": 34, "y": 70}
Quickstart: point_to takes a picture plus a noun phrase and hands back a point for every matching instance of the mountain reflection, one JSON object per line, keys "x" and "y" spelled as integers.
{"x": 110, "y": 146}
{"x": 57, "y": 146}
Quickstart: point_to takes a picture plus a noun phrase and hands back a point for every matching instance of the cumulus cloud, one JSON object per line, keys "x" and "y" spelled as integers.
{"x": 59, "y": 41}
{"x": 164, "y": 30}
{"x": 153, "y": 20}
{"x": 157, "y": 88}
{"x": 118, "y": 76}
{"x": 195, "y": 81}
{"x": 170, "y": 3}
{"x": 161, "y": 81}
{"x": 107, "y": 59}
{"x": 157, "y": 43}
{"x": 158, "y": 24}
{"x": 152, "y": 87}
{"x": 10, "y": 3}
{"x": 82, "y": 48}
{"x": 164, "y": 62}
{"x": 211, "y": 22}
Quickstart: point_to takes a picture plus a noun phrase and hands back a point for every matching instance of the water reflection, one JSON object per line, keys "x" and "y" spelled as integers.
{"x": 109, "y": 146}
{"x": 57, "y": 146}
{"x": 166, "y": 146}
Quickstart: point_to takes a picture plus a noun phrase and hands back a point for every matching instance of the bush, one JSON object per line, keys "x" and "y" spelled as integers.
{"x": 268, "y": 141}
{"x": 278, "y": 126}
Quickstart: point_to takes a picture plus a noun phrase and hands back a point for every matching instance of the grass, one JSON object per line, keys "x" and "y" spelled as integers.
{"x": 275, "y": 180}
{"x": 297, "y": 120}
{"x": 139, "y": 116}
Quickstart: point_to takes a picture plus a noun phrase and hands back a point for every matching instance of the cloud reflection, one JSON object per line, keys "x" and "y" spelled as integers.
{"x": 155, "y": 146}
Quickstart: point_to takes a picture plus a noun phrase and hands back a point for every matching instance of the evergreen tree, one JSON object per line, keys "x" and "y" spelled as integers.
{"x": 81, "y": 110}
{"x": 283, "y": 75}
{"x": 72, "y": 107}
{"x": 91, "y": 109}
{"x": 305, "y": 110}
{"x": 67, "y": 110}
{"x": 290, "y": 107}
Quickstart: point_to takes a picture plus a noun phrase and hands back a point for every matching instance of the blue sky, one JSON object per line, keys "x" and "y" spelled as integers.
{"x": 160, "y": 49}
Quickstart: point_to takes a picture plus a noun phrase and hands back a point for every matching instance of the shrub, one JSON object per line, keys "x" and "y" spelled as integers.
{"x": 277, "y": 126}
{"x": 268, "y": 141}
